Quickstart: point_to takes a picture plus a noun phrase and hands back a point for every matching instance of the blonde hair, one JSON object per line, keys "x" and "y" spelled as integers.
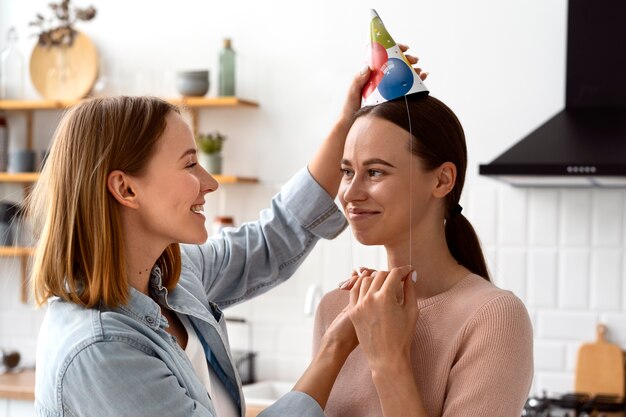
{"x": 79, "y": 254}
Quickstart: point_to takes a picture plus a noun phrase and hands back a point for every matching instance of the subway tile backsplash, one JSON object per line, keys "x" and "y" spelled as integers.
{"x": 560, "y": 250}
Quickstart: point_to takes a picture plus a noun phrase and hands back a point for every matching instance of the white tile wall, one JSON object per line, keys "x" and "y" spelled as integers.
{"x": 560, "y": 250}
{"x": 574, "y": 269}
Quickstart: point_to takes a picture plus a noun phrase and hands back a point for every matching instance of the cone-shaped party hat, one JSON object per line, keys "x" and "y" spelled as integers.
{"x": 392, "y": 75}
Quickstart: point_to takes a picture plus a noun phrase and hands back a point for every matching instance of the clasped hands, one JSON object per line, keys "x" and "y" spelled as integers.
{"x": 381, "y": 315}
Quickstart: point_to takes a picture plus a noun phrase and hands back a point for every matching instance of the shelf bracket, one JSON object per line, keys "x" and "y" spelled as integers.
{"x": 25, "y": 284}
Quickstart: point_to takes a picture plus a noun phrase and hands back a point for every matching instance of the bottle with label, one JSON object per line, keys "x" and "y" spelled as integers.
{"x": 226, "y": 84}
{"x": 4, "y": 144}
{"x": 220, "y": 222}
{"x": 11, "y": 69}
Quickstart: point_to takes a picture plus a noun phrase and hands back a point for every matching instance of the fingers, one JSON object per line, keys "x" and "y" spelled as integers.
{"x": 361, "y": 286}
{"x": 353, "y": 98}
{"x": 349, "y": 283}
{"x": 396, "y": 278}
{"x": 410, "y": 288}
{"x": 397, "y": 282}
{"x": 378, "y": 280}
{"x": 354, "y": 293}
{"x": 412, "y": 59}
{"x": 361, "y": 78}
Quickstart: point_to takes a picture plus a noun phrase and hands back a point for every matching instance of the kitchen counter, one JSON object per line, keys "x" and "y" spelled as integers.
{"x": 18, "y": 385}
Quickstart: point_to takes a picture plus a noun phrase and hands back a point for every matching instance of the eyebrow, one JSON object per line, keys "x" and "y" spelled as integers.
{"x": 190, "y": 151}
{"x": 373, "y": 161}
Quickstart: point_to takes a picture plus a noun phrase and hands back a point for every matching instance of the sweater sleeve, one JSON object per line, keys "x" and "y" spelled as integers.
{"x": 493, "y": 371}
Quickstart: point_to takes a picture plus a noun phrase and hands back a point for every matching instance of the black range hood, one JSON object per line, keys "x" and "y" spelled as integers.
{"x": 584, "y": 144}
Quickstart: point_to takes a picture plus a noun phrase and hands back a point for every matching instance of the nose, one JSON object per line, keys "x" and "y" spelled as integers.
{"x": 208, "y": 184}
{"x": 353, "y": 190}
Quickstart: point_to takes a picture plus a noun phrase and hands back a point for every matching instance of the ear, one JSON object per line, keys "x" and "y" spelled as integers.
{"x": 446, "y": 178}
{"x": 121, "y": 187}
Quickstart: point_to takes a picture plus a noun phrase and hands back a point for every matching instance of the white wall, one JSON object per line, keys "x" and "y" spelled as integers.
{"x": 499, "y": 64}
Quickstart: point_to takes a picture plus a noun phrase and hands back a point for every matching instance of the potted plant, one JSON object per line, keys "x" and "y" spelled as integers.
{"x": 210, "y": 147}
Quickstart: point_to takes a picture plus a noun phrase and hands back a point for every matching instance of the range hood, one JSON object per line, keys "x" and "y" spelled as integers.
{"x": 584, "y": 144}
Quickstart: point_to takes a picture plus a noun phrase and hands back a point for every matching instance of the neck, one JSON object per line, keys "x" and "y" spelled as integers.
{"x": 428, "y": 253}
{"x": 141, "y": 254}
{"x": 138, "y": 272}
{"x": 139, "y": 264}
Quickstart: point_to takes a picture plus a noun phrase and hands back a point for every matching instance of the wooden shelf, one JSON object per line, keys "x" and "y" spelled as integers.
{"x": 19, "y": 177}
{"x": 18, "y": 385}
{"x": 190, "y": 102}
{"x": 15, "y": 251}
{"x": 232, "y": 179}
{"x": 212, "y": 102}
{"x": 26, "y": 177}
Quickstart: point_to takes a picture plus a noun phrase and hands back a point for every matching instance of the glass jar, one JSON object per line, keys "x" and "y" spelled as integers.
{"x": 226, "y": 74}
{"x": 11, "y": 69}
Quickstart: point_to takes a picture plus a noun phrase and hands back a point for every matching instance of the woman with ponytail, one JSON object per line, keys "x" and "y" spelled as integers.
{"x": 463, "y": 346}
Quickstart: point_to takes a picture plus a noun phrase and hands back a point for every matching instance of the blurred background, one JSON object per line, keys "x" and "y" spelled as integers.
{"x": 500, "y": 65}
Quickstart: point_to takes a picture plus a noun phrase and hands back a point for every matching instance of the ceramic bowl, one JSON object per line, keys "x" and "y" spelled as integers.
{"x": 192, "y": 83}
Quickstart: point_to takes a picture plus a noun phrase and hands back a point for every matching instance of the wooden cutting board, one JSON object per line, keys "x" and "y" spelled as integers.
{"x": 600, "y": 367}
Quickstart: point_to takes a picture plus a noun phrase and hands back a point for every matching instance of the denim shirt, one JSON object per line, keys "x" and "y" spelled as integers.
{"x": 118, "y": 362}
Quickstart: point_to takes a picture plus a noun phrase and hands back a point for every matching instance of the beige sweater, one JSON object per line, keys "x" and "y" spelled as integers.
{"x": 472, "y": 355}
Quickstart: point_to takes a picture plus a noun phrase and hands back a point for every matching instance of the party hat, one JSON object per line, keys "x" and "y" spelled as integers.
{"x": 392, "y": 75}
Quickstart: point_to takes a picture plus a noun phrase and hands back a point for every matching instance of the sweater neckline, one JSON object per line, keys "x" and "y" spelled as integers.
{"x": 464, "y": 282}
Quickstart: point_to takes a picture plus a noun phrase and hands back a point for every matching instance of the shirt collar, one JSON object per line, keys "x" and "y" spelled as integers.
{"x": 144, "y": 308}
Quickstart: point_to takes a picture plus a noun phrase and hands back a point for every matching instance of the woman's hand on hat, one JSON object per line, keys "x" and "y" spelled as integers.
{"x": 413, "y": 61}
{"x": 353, "y": 99}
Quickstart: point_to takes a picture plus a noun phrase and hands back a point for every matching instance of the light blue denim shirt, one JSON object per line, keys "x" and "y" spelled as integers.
{"x": 121, "y": 362}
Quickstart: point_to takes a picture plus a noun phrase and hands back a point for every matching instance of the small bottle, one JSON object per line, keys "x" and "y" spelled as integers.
{"x": 220, "y": 222}
{"x": 226, "y": 82}
{"x": 4, "y": 144}
{"x": 11, "y": 69}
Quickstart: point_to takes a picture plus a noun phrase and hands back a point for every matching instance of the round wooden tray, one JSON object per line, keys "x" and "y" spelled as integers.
{"x": 81, "y": 73}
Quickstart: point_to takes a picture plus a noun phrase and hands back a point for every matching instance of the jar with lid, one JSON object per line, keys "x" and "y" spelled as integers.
{"x": 221, "y": 222}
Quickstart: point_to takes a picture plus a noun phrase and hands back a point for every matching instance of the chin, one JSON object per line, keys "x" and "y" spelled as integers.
{"x": 366, "y": 239}
{"x": 197, "y": 240}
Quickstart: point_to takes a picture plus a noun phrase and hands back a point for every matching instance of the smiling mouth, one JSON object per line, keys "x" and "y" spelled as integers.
{"x": 361, "y": 214}
{"x": 198, "y": 209}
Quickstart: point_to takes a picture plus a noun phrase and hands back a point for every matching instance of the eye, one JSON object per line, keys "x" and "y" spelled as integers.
{"x": 347, "y": 172}
{"x": 191, "y": 165}
{"x": 375, "y": 173}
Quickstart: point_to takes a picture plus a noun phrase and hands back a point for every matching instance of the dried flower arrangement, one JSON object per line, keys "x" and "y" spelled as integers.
{"x": 59, "y": 29}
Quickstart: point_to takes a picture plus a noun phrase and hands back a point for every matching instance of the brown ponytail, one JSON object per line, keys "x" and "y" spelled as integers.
{"x": 464, "y": 245}
{"x": 438, "y": 137}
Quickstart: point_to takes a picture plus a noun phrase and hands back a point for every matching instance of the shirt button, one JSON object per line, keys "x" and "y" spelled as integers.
{"x": 149, "y": 319}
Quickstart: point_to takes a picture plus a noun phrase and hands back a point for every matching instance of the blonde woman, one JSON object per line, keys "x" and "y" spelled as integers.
{"x": 133, "y": 324}
{"x": 462, "y": 347}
